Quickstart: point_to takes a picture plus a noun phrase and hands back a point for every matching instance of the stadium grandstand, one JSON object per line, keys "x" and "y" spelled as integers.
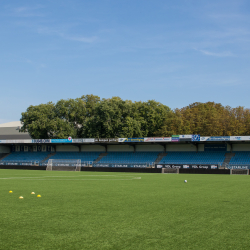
{"x": 165, "y": 152}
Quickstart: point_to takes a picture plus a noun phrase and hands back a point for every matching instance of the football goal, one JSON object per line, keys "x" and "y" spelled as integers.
{"x": 170, "y": 170}
{"x": 64, "y": 165}
{"x": 239, "y": 171}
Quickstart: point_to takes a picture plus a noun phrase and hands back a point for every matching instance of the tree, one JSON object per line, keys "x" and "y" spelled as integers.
{"x": 209, "y": 118}
{"x": 113, "y": 118}
{"x": 47, "y": 121}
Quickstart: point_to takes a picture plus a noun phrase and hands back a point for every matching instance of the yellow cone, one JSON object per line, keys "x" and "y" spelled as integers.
{"x": 38, "y": 195}
{"x": 10, "y": 192}
{"x": 32, "y": 192}
{"x": 20, "y": 197}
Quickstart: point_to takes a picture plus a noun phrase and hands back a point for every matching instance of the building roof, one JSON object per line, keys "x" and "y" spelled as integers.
{"x": 11, "y": 124}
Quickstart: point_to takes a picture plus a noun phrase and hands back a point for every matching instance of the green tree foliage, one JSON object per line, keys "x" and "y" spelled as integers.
{"x": 91, "y": 117}
{"x": 211, "y": 119}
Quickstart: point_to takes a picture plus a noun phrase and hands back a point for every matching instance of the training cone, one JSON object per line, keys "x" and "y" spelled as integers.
{"x": 10, "y": 192}
{"x": 32, "y": 192}
{"x": 38, "y": 195}
{"x": 20, "y": 197}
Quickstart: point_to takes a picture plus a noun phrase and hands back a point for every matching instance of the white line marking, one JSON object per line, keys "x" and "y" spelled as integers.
{"x": 79, "y": 179}
{"x": 44, "y": 178}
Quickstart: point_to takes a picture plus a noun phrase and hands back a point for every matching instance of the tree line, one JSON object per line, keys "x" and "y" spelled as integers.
{"x": 92, "y": 117}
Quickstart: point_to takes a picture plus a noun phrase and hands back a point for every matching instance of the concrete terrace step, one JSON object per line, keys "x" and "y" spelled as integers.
{"x": 228, "y": 157}
{"x": 100, "y": 157}
{"x": 48, "y": 157}
{"x": 3, "y": 155}
{"x": 159, "y": 158}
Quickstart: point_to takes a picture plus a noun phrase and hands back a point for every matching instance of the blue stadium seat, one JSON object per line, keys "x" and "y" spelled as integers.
{"x": 177, "y": 157}
{"x": 193, "y": 158}
{"x": 240, "y": 157}
{"x": 83, "y": 156}
{"x": 130, "y": 157}
{"x": 26, "y": 156}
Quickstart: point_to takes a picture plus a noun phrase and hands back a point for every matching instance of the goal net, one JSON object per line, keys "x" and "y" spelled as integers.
{"x": 170, "y": 170}
{"x": 64, "y": 165}
{"x": 239, "y": 171}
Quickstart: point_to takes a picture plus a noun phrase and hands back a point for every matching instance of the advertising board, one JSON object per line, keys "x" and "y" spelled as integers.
{"x": 106, "y": 140}
{"x": 185, "y": 137}
{"x": 239, "y": 138}
{"x": 86, "y": 140}
{"x": 131, "y": 139}
{"x": 175, "y": 138}
{"x": 77, "y": 140}
{"x": 109, "y": 165}
{"x": 187, "y": 166}
{"x": 238, "y": 166}
{"x": 19, "y": 141}
{"x": 156, "y": 139}
{"x": 61, "y": 141}
{"x": 204, "y": 138}
{"x": 41, "y": 141}
{"x": 218, "y": 138}
{"x": 196, "y": 138}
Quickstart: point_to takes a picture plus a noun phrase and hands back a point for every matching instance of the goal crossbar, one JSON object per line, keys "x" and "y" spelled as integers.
{"x": 170, "y": 170}
{"x": 64, "y": 164}
{"x": 239, "y": 171}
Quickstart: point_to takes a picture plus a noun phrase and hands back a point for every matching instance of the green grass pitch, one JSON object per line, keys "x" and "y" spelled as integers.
{"x": 93, "y": 210}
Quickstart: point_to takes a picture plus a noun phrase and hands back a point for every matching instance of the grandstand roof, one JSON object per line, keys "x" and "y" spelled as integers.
{"x": 10, "y": 131}
{"x": 11, "y": 124}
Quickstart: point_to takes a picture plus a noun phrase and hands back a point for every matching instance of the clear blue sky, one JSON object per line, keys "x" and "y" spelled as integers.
{"x": 175, "y": 52}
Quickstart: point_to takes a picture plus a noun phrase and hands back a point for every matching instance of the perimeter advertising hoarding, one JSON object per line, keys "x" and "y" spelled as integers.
{"x": 204, "y": 138}
{"x": 217, "y": 138}
{"x": 187, "y": 166}
{"x": 61, "y": 141}
{"x": 77, "y": 140}
{"x": 196, "y": 137}
{"x": 238, "y": 167}
{"x": 87, "y": 140}
{"x": 108, "y": 165}
{"x": 189, "y": 137}
{"x": 175, "y": 138}
{"x": 239, "y": 138}
{"x": 185, "y": 137}
{"x": 2, "y": 141}
{"x": 41, "y": 141}
{"x": 106, "y": 140}
{"x": 155, "y": 139}
{"x": 131, "y": 139}
{"x": 19, "y": 141}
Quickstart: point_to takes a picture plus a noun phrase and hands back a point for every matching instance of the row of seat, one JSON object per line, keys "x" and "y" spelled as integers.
{"x": 83, "y": 156}
{"x": 130, "y": 157}
{"x": 193, "y": 158}
{"x": 240, "y": 157}
{"x": 26, "y": 156}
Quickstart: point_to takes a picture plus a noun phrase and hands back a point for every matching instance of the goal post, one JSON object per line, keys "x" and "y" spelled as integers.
{"x": 239, "y": 171}
{"x": 170, "y": 170}
{"x": 64, "y": 165}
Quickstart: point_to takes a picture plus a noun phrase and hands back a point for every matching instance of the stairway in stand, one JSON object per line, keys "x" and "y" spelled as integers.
{"x": 48, "y": 157}
{"x": 228, "y": 157}
{"x": 100, "y": 157}
{"x": 160, "y": 156}
{"x": 2, "y": 156}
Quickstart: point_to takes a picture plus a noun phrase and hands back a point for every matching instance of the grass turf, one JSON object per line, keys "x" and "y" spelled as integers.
{"x": 90, "y": 210}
